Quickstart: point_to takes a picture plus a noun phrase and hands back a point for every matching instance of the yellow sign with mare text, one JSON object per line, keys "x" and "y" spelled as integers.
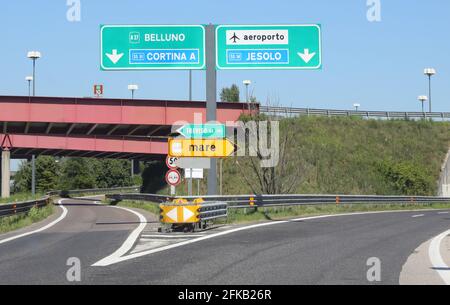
{"x": 207, "y": 148}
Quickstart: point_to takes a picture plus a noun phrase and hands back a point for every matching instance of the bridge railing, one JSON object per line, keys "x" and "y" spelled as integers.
{"x": 289, "y": 111}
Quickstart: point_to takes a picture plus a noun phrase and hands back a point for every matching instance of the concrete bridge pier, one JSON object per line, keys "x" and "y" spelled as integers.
{"x": 5, "y": 173}
{"x": 444, "y": 179}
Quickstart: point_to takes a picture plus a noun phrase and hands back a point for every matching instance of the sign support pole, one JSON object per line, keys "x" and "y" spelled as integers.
{"x": 211, "y": 97}
{"x": 190, "y": 185}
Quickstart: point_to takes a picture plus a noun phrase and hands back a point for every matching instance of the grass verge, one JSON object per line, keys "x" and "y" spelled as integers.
{"x": 20, "y": 197}
{"x": 15, "y": 222}
{"x": 278, "y": 213}
{"x": 146, "y": 206}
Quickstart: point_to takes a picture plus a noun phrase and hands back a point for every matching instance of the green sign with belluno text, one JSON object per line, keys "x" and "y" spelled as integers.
{"x": 152, "y": 47}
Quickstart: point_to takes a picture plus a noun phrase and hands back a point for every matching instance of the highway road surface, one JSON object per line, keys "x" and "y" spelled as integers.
{"x": 121, "y": 246}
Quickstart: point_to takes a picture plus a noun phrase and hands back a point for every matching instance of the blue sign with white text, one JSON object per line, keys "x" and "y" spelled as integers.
{"x": 258, "y": 56}
{"x": 167, "y": 56}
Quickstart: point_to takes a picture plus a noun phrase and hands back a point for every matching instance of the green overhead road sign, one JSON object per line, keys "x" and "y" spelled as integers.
{"x": 268, "y": 47}
{"x": 152, "y": 47}
{"x": 203, "y": 131}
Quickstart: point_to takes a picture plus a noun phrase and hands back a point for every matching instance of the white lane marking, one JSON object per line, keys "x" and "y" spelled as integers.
{"x": 440, "y": 213}
{"x": 434, "y": 252}
{"x": 419, "y": 215}
{"x": 170, "y": 236}
{"x": 114, "y": 260}
{"x": 129, "y": 242}
{"x": 61, "y": 217}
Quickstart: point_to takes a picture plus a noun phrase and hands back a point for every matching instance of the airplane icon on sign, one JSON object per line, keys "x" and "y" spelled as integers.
{"x": 234, "y": 37}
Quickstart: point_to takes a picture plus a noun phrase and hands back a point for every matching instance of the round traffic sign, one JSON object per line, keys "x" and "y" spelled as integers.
{"x": 173, "y": 177}
{"x": 171, "y": 162}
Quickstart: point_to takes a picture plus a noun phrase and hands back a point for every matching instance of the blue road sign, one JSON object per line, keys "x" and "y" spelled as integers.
{"x": 168, "y": 56}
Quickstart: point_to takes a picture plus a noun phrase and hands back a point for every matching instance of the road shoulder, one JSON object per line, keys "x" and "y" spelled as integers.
{"x": 419, "y": 270}
{"x": 57, "y": 212}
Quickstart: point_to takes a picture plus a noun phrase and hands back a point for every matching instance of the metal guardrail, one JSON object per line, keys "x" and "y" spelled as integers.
{"x": 213, "y": 210}
{"x": 22, "y": 207}
{"x": 246, "y": 201}
{"x": 12, "y": 209}
{"x": 140, "y": 197}
{"x": 92, "y": 191}
{"x": 286, "y": 111}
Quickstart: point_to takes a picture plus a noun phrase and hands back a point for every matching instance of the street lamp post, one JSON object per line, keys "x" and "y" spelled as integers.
{"x": 29, "y": 79}
{"x": 34, "y": 55}
{"x": 247, "y": 83}
{"x": 190, "y": 85}
{"x": 423, "y": 99}
{"x": 133, "y": 88}
{"x": 356, "y": 106}
{"x": 429, "y": 72}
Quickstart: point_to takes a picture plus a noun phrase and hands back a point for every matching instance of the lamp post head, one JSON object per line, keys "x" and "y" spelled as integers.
{"x": 429, "y": 71}
{"x": 34, "y": 54}
{"x": 133, "y": 87}
{"x": 29, "y": 78}
{"x": 247, "y": 82}
{"x": 422, "y": 98}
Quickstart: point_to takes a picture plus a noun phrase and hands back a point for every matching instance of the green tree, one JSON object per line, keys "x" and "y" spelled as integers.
{"x": 113, "y": 173}
{"x": 78, "y": 173}
{"x": 230, "y": 94}
{"x": 47, "y": 175}
{"x": 22, "y": 179}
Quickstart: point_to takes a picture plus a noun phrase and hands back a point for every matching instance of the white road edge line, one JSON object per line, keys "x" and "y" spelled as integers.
{"x": 129, "y": 242}
{"x": 434, "y": 252}
{"x": 61, "y": 217}
{"x": 110, "y": 260}
{"x": 170, "y": 236}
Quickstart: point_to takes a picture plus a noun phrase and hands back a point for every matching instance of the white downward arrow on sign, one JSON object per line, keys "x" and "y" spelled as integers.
{"x": 306, "y": 56}
{"x": 114, "y": 57}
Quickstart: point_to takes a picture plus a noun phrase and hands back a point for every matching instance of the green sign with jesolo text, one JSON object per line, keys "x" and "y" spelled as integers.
{"x": 152, "y": 47}
{"x": 269, "y": 46}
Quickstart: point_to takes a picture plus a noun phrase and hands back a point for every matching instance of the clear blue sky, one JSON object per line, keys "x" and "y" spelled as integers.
{"x": 378, "y": 65}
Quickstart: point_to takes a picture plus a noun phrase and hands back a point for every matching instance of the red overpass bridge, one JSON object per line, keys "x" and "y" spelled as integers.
{"x": 98, "y": 127}
{"x": 95, "y": 127}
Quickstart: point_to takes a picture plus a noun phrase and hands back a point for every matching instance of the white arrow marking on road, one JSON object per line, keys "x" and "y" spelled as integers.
{"x": 306, "y": 56}
{"x": 187, "y": 214}
{"x": 173, "y": 214}
{"x": 114, "y": 57}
